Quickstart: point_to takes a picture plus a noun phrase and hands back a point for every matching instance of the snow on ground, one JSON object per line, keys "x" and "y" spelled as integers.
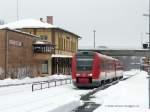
{"x": 130, "y": 95}
{"x": 31, "y": 80}
{"x": 55, "y": 99}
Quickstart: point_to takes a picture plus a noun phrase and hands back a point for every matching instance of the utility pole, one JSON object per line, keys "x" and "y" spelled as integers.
{"x": 17, "y": 10}
{"x": 149, "y": 53}
{"x": 94, "y": 37}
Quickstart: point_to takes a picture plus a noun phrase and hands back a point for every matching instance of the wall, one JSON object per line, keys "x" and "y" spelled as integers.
{"x": 39, "y": 32}
{"x": 63, "y": 45}
{"x": 2, "y": 54}
{"x": 19, "y": 58}
{"x": 66, "y": 43}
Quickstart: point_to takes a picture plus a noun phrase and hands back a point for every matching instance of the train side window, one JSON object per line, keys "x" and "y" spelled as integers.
{"x": 102, "y": 65}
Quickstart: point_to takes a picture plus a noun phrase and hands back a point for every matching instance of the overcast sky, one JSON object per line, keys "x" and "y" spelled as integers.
{"x": 117, "y": 22}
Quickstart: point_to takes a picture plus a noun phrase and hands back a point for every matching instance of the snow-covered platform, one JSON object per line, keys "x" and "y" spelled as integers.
{"x": 129, "y": 95}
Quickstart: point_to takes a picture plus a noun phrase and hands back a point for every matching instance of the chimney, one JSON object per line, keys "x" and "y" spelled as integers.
{"x": 50, "y": 19}
{"x": 41, "y": 19}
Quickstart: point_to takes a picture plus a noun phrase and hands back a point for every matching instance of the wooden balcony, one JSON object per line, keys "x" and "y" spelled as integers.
{"x": 42, "y": 50}
{"x": 43, "y": 47}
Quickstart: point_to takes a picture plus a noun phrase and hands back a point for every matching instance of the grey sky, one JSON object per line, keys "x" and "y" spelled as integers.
{"x": 117, "y": 22}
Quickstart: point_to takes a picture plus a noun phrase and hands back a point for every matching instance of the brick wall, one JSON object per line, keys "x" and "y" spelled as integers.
{"x": 2, "y": 54}
{"x": 17, "y": 55}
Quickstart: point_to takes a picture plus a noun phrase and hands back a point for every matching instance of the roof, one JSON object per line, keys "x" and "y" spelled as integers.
{"x": 32, "y": 23}
{"x": 27, "y": 23}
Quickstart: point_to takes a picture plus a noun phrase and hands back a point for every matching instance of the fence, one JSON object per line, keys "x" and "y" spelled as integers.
{"x": 48, "y": 84}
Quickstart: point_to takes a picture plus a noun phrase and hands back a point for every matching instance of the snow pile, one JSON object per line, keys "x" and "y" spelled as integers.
{"x": 130, "y": 95}
{"x": 10, "y": 81}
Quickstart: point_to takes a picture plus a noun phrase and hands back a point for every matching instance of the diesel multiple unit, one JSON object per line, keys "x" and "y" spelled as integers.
{"x": 91, "y": 69}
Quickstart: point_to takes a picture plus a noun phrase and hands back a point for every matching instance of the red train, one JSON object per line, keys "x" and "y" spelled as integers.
{"x": 92, "y": 69}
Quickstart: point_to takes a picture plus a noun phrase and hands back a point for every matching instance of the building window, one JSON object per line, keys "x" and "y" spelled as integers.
{"x": 43, "y": 37}
{"x": 64, "y": 44}
{"x": 45, "y": 67}
{"x": 68, "y": 38}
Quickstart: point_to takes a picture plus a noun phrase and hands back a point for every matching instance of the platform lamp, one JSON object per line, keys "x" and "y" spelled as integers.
{"x": 148, "y": 15}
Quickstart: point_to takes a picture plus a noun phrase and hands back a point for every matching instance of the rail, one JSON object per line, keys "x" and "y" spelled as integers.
{"x": 48, "y": 84}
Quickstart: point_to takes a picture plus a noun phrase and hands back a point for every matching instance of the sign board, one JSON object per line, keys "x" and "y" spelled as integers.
{"x": 15, "y": 43}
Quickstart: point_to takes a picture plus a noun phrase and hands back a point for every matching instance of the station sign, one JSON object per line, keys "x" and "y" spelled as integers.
{"x": 15, "y": 43}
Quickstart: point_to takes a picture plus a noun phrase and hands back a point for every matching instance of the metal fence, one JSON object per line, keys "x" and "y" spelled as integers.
{"x": 48, "y": 84}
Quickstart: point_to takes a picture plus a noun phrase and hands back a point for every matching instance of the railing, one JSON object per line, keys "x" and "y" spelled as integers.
{"x": 48, "y": 84}
{"x": 43, "y": 48}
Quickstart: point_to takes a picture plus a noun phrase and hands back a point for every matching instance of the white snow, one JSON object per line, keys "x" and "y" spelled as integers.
{"x": 39, "y": 101}
{"x": 27, "y": 23}
{"x": 9, "y": 81}
{"x": 130, "y": 95}
{"x": 55, "y": 99}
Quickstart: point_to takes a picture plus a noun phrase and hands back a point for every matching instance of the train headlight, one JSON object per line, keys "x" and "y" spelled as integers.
{"x": 77, "y": 74}
{"x": 90, "y": 75}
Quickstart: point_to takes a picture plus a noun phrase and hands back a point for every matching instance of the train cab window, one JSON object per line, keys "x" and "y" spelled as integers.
{"x": 84, "y": 63}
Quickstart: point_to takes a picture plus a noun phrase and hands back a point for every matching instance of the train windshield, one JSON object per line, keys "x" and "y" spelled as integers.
{"x": 84, "y": 63}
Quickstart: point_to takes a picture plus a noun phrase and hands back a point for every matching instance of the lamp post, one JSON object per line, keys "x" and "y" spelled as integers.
{"x": 94, "y": 37}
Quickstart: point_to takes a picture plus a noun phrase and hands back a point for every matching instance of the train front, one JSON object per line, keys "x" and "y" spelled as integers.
{"x": 85, "y": 69}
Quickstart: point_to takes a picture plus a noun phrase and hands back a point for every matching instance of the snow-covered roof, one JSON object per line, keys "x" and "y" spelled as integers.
{"x": 32, "y": 23}
{"x": 27, "y": 23}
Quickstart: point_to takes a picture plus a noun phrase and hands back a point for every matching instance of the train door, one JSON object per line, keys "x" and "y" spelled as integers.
{"x": 102, "y": 70}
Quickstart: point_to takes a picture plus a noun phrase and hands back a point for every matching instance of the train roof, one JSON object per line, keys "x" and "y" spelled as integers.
{"x": 92, "y": 53}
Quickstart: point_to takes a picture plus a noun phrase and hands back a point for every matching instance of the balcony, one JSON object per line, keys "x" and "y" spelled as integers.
{"x": 43, "y": 47}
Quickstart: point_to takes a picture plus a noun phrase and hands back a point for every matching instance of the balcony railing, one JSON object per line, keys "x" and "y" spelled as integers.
{"x": 43, "y": 48}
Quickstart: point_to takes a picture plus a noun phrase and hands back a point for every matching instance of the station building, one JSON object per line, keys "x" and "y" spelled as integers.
{"x": 64, "y": 43}
{"x": 18, "y": 54}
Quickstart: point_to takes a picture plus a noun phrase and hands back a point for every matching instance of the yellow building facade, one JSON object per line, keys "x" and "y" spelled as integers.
{"x": 66, "y": 44}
